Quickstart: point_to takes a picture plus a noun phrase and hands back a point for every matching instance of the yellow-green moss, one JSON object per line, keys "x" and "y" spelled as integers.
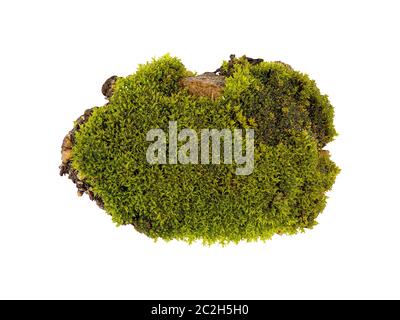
{"x": 284, "y": 194}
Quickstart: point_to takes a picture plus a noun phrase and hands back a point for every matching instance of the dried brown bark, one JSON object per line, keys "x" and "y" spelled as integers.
{"x": 207, "y": 84}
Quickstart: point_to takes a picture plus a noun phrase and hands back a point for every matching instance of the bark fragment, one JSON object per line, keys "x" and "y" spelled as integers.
{"x": 207, "y": 84}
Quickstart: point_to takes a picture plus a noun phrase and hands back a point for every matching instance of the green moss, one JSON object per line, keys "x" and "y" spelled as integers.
{"x": 284, "y": 194}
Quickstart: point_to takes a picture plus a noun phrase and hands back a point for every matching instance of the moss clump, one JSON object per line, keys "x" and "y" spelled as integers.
{"x": 284, "y": 194}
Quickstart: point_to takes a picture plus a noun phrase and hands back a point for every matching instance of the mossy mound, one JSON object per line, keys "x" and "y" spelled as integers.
{"x": 284, "y": 194}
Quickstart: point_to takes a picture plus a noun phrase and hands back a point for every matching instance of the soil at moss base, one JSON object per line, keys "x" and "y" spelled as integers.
{"x": 66, "y": 164}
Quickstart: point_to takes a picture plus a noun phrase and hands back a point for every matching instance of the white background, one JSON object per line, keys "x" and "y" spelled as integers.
{"x": 54, "y": 57}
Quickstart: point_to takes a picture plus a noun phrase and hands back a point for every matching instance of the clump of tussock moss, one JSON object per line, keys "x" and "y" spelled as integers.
{"x": 285, "y": 193}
